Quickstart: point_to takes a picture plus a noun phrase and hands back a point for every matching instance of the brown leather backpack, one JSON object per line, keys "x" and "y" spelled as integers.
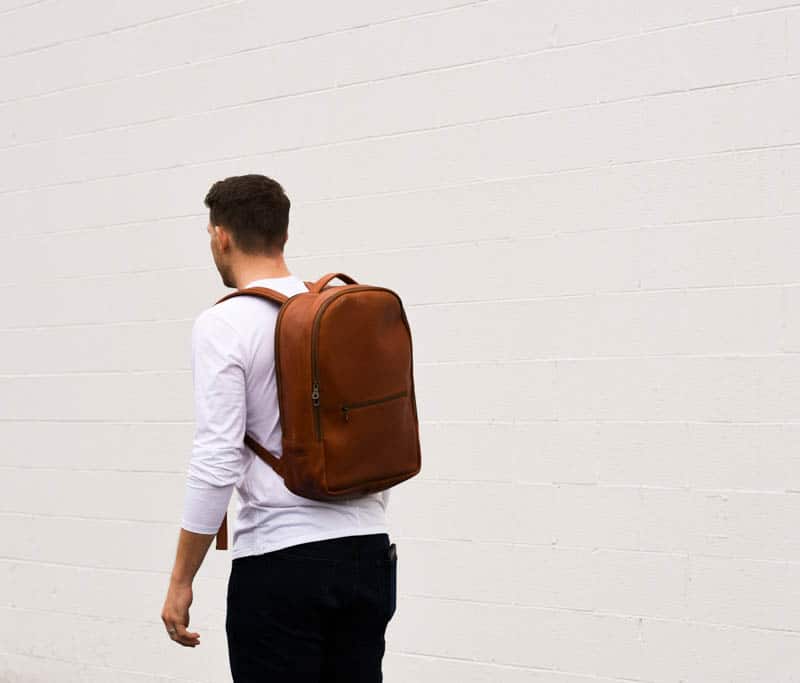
{"x": 344, "y": 372}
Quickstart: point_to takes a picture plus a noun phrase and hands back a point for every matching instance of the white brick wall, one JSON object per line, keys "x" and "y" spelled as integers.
{"x": 590, "y": 210}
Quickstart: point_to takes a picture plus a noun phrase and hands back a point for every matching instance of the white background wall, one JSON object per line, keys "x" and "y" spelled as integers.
{"x": 590, "y": 210}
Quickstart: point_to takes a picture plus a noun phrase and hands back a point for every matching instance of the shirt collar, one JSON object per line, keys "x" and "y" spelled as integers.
{"x": 268, "y": 279}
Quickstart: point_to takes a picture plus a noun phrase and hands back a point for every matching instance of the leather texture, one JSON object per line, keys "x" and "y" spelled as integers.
{"x": 344, "y": 372}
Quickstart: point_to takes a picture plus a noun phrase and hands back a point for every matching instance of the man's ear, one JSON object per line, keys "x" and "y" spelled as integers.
{"x": 222, "y": 237}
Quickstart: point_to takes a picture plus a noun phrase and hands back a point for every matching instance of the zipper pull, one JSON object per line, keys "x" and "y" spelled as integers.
{"x": 346, "y": 414}
{"x": 315, "y": 394}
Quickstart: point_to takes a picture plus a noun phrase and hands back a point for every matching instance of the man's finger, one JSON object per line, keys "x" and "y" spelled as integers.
{"x": 185, "y": 637}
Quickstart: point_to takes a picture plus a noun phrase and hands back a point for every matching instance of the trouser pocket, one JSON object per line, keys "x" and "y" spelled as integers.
{"x": 392, "y": 592}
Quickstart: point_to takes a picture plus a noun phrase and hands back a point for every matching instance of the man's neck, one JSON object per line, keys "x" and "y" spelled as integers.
{"x": 262, "y": 272}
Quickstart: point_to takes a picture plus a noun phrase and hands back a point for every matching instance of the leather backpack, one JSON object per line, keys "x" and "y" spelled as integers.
{"x": 344, "y": 374}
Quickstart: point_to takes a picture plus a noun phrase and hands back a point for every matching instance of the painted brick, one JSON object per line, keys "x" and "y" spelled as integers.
{"x": 590, "y": 213}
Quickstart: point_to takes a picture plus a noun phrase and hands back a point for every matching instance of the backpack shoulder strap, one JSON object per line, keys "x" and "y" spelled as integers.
{"x": 263, "y": 453}
{"x": 263, "y": 292}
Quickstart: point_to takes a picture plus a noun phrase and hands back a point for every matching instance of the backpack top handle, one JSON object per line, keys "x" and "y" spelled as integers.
{"x": 325, "y": 279}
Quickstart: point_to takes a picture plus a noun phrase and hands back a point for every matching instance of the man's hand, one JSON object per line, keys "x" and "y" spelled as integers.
{"x": 192, "y": 548}
{"x": 175, "y": 614}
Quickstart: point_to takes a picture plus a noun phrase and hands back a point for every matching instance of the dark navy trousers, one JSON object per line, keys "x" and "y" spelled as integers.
{"x": 312, "y": 613}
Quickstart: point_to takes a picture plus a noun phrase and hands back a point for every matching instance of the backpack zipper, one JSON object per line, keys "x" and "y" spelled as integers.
{"x": 349, "y": 406}
{"x": 276, "y": 346}
{"x": 315, "y": 394}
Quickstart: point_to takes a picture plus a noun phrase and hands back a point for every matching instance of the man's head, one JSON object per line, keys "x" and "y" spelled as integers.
{"x": 248, "y": 222}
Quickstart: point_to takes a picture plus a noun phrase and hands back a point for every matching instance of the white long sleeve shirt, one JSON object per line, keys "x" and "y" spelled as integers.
{"x": 233, "y": 371}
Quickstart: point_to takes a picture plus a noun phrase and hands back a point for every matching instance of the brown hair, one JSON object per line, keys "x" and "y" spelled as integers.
{"x": 254, "y": 208}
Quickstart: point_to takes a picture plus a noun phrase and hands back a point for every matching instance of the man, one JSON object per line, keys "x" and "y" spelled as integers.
{"x": 309, "y": 593}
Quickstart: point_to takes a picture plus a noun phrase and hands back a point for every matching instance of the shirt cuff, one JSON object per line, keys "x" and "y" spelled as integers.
{"x": 204, "y": 508}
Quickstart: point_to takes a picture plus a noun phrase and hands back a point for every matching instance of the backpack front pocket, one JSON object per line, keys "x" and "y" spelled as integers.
{"x": 369, "y": 440}
{"x": 347, "y": 407}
